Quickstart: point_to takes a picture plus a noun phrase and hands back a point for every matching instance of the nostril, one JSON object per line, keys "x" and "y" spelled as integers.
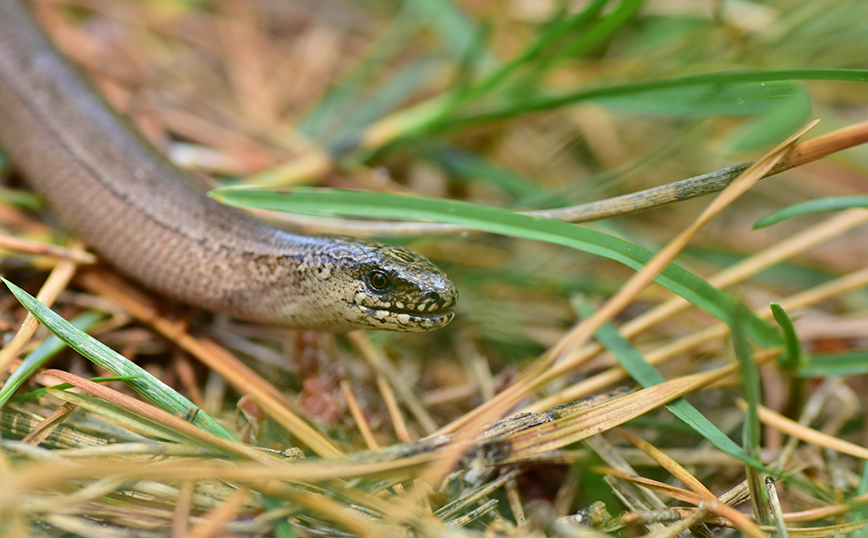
{"x": 432, "y": 296}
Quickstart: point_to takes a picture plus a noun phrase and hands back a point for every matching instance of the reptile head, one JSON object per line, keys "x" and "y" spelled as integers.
{"x": 392, "y": 288}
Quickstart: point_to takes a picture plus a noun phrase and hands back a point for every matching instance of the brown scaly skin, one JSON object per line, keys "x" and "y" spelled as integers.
{"x": 139, "y": 212}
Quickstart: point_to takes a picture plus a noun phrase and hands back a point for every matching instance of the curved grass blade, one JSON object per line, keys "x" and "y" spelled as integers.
{"x": 820, "y": 205}
{"x": 791, "y": 360}
{"x": 312, "y": 201}
{"x": 143, "y": 382}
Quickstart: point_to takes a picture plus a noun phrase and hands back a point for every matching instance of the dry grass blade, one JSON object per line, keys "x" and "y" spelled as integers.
{"x": 572, "y": 425}
{"x": 808, "y": 435}
{"x": 674, "y": 468}
{"x": 341, "y": 514}
{"x": 682, "y": 526}
{"x": 825, "y": 512}
{"x": 230, "y": 368}
{"x": 380, "y": 364}
{"x": 843, "y": 529}
{"x": 158, "y": 415}
{"x": 214, "y": 523}
{"x": 391, "y": 403}
{"x": 824, "y": 145}
{"x": 182, "y": 509}
{"x": 739, "y": 520}
{"x": 775, "y": 508}
{"x": 81, "y": 257}
{"x": 52, "y": 421}
{"x": 358, "y": 416}
{"x": 680, "y": 473}
{"x": 831, "y": 530}
{"x": 16, "y": 520}
{"x": 459, "y": 504}
{"x": 45, "y": 474}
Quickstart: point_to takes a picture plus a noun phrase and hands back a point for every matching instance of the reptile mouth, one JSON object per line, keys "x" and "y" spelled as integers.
{"x": 408, "y": 319}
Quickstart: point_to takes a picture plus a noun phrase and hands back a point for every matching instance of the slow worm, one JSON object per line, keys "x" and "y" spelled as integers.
{"x": 144, "y": 216}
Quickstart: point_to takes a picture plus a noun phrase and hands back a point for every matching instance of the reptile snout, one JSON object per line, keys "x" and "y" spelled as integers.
{"x": 402, "y": 290}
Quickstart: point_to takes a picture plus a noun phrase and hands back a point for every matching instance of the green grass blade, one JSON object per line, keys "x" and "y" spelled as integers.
{"x": 860, "y": 511}
{"x": 820, "y": 205}
{"x": 646, "y": 375}
{"x": 143, "y": 382}
{"x": 834, "y": 365}
{"x": 783, "y": 106}
{"x": 750, "y": 382}
{"x": 602, "y": 30}
{"x": 20, "y": 198}
{"x": 791, "y": 360}
{"x": 551, "y": 102}
{"x": 42, "y": 354}
{"x": 751, "y": 390}
{"x": 537, "y": 55}
{"x": 782, "y": 118}
{"x": 311, "y": 201}
{"x": 700, "y": 100}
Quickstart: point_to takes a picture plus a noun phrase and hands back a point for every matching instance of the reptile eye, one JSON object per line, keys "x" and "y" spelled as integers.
{"x": 379, "y": 280}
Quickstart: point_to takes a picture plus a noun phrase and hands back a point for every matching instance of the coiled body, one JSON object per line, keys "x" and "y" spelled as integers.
{"x": 141, "y": 213}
